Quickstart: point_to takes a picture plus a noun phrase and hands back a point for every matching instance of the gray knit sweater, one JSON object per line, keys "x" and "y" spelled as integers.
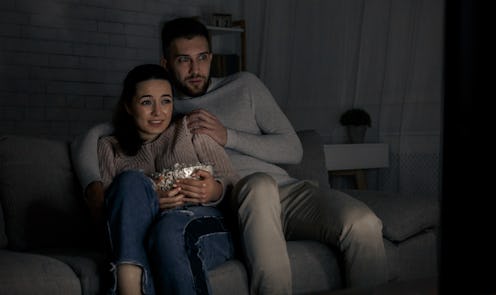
{"x": 259, "y": 135}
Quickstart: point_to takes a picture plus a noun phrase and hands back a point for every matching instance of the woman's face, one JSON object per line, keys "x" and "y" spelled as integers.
{"x": 151, "y": 107}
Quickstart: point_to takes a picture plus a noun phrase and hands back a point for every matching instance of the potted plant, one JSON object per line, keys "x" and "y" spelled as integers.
{"x": 356, "y": 121}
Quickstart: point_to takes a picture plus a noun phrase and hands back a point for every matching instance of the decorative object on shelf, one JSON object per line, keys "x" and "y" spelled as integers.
{"x": 225, "y": 65}
{"x": 356, "y": 122}
{"x": 221, "y": 20}
{"x": 229, "y": 48}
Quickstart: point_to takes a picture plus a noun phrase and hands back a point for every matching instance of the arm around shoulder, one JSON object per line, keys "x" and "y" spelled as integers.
{"x": 84, "y": 153}
{"x": 273, "y": 139}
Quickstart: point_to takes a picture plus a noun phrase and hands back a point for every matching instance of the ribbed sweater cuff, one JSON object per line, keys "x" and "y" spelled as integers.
{"x": 232, "y": 139}
{"x": 215, "y": 203}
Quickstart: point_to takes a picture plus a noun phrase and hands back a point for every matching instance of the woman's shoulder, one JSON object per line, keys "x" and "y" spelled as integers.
{"x": 180, "y": 127}
{"x": 177, "y": 130}
{"x": 108, "y": 143}
{"x": 108, "y": 140}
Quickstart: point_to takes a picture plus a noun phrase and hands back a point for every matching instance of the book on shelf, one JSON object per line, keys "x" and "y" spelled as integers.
{"x": 225, "y": 64}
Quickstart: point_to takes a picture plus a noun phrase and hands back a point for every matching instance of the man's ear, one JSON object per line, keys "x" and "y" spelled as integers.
{"x": 163, "y": 62}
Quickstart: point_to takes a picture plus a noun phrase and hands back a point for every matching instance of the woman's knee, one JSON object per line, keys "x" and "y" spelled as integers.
{"x": 130, "y": 178}
{"x": 130, "y": 184}
{"x": 167, "y": 234}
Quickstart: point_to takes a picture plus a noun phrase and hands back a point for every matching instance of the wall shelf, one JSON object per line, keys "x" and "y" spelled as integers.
{"x": 227, "y": 42}
{"x": 215, "y": 30}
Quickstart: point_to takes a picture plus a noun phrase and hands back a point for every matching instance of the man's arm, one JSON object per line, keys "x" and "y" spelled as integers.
{"x": 94, "y": 197}
{"x": 277, "y": 148}
{"x": 274, "y": 140}
{"x": 84, "y": 154}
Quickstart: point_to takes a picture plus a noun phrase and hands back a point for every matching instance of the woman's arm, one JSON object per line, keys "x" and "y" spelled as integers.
{"x": 210, "y": 152}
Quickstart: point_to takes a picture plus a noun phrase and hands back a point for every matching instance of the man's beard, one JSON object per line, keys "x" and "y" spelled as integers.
{"x": 184, "y": 89}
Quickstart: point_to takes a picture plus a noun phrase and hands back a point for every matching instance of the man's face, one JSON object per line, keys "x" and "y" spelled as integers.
{"x": 189, "y": 64}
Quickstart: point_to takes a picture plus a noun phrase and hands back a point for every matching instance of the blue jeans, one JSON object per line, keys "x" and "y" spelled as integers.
{"x": 174, "y": 248}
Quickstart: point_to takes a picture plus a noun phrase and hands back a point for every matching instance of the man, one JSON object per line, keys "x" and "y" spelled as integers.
{"x": 240, "y": 114}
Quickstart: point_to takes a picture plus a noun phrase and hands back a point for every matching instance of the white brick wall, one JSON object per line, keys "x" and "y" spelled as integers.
{"x": 62, "y": 62}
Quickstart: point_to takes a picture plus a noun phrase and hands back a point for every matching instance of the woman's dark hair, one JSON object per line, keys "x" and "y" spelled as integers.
{"x": 125, "y": 129}
{"x": 183, "y": 27}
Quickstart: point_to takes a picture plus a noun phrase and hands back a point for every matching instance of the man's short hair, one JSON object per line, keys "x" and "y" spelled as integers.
{"x": 184, "y": 27}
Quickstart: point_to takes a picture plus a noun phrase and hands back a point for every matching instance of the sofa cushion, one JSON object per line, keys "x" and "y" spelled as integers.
{"x": 91, "y": 267}
{"x": 402, "y": 216}
{"x": 312, "y": 166}
{"x": 25, "y": 273}
{"x": 229, "y": 278}
{"x": 314, "y": 267}
{"x": 52, "y": 214}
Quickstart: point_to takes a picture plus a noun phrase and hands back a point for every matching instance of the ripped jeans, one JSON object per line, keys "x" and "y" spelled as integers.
{"x": 174, "y": 248}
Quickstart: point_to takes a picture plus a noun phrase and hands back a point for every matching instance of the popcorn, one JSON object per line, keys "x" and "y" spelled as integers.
{"x": 165, "y": 179}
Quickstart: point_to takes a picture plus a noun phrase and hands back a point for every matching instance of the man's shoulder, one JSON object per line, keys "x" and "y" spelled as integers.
{"x": 244, "y": 76}
{"x": 100, "y": 129}
{"x": 236, "y": 78}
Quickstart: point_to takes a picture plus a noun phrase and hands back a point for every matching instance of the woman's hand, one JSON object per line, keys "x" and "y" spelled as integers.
{"x": 200, "y": 191}
{"x": 170, "y": 199}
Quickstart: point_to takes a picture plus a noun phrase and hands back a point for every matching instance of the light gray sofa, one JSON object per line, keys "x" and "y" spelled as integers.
{"x": 47, "y": 245}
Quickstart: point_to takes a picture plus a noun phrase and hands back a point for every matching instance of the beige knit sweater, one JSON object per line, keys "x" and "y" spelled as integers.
{"x": 175, "y": 145}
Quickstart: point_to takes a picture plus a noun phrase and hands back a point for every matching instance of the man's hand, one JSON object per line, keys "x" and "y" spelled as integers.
{"x": 202, "y": 122}
{"x": 200, "y": 191}
{"x": 94, "y": 196}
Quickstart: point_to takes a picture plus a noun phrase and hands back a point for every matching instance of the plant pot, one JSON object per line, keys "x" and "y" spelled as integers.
{"x": 356, "y": 134}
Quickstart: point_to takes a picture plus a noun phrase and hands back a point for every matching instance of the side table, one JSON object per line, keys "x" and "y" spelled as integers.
{"x": 353, "y": 159}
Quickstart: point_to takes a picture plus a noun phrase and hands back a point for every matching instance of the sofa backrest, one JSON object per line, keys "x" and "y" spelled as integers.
{"x": 312, "y": 166}
{"x": 41, "y": 198}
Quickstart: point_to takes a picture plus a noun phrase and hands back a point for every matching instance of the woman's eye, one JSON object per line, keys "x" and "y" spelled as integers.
{"x": 145, "y": 102}
{"x": 203, "y": 57}
{"x": 166, "y": 101}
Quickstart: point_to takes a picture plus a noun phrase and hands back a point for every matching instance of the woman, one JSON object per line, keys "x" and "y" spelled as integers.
{"x": 161, "y": 240}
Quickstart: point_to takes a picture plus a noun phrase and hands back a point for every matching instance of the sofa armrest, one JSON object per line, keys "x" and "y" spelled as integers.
{"x": 402, "y": 216}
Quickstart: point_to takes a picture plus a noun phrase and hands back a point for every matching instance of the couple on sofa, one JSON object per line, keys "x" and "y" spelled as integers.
{"x": 166, "y": 240}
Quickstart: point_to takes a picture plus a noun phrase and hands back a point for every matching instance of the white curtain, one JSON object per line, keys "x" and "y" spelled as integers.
{"x": 321, "y": 57}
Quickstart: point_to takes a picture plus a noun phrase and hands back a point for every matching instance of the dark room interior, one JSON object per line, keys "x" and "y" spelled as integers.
{"x": 424, "y": 70}
{"x": 467, "y": 248}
